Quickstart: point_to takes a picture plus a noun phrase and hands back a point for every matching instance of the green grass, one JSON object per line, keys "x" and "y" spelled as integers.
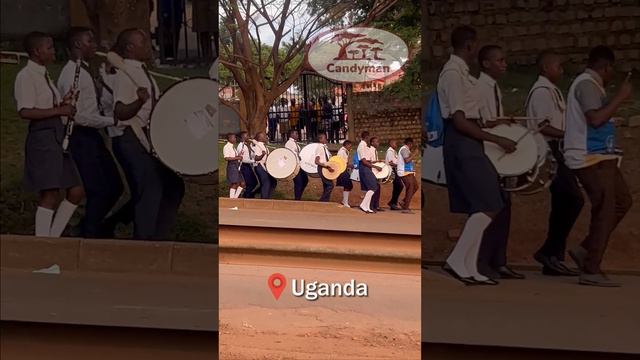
{"x": 197, "y": 218}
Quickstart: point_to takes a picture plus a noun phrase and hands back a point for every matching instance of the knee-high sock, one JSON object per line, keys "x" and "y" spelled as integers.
{"x": 43, "y": 221}
{"x": 464, "y": 257}
{"x": 63, "y": 214}
{"x": 232, "y": 193}
{"x": 366, "y": 202}
{"x": 345, "y": 198}
{"x": 238, "y": 192}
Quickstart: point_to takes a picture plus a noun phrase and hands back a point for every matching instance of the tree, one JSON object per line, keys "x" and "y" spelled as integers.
{"x": 291, "y": 24}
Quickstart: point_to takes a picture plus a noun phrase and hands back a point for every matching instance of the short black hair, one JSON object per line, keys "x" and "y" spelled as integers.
{"x": 408, "y": 140}
{"x": 364, "y": 134}
{"x": 243, "y": 132}
{"x": 229, "y": 135}
{"x": 601, "y": 56}
{"x": 74, "y": 34}
{"x": 484, "y": 53}
{"x": 290, "y": 132}
{"x": 461, "y": 35}
{"x": 32, "y": 40}
{"x": 373, "y": 138}
{"x": 346, "y": 142}
{"x": 123, "y": 39}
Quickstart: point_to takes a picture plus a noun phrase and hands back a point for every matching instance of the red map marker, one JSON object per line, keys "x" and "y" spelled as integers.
{"x": 277, "y": 282}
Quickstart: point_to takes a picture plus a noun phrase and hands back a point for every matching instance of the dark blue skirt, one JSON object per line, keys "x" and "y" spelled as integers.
{"x": 368, "y": 181}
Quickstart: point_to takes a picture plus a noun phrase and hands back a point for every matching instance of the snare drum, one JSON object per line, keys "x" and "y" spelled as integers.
{"x": 383, "y": 175}
{"x": 183, "y": 130}
{"x": 308, "y": 159}
{"x": 519, "y": 169}
{"x": 283, "y": 164}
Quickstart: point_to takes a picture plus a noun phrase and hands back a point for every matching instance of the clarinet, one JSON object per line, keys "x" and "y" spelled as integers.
{"x": 71, "y": 120}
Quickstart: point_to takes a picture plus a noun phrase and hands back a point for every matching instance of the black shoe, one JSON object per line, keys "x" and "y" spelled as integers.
{"x": 394, "y": 207}
{"x": 379, "y": 210}
{"x": 486, "y": 282}
{"x": 552, "y": 266}
{"x": 465, "y": 280}
{"x": 566, "y": 269}
{"x": 505, "y": 272}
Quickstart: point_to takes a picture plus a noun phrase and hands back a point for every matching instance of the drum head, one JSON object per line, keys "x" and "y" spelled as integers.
{"x": 282, "y": 163}
{"x": 520, "y": 161}
{"x": 340, "y": 161}
{"x": 383, "y": 174}
{"x": 336, "y": 170}
{"x": 308, "y": 159}
{"x": 184, "y": 127}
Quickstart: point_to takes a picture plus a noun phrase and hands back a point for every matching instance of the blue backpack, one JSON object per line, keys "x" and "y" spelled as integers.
{"x": 433, "y": 122}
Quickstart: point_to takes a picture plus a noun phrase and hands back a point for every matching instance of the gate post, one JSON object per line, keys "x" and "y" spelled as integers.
{"x": 350, "y": 120}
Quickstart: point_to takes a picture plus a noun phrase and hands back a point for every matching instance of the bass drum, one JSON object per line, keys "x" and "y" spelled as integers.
{"x": 283, "y": 164}
{"x": 184, "y": 127}
{"x": 519, "y": 169}
{"x": 308, "y": 159}
{"x": 384, "y": 175}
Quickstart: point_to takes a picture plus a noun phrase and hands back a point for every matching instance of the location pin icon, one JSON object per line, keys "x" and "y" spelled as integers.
{"x": 277, "y": 282}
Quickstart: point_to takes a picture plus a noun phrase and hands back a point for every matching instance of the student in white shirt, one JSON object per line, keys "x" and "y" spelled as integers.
{"x": 267, "y": 182}
{"x": 156, "y": 191}
{"x": 545, "y": 101}
{"x": 407, "y": 174}
{"x": 344, "y": 180}
{"x": 301, "y": 180}
{"x": 233, "y": 158}
{"x": 373, "y": 158}
{"x": 472, "y": 181}
{"x": 492, "y": 259}
{"x": 247, "y": 166}
{"x": 98, "y": 170}
{"x": 321, "y": 159}
{"x": 391, "y": 159}
{"x": 47, "y": 169}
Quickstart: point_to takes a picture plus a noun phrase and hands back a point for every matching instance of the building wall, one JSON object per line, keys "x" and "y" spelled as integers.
{"x": 526, "y": 27}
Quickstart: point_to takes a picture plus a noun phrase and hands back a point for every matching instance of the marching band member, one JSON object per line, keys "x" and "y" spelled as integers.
{"x": 368, "y": 182}
{"x": 492, "y": 259}
{"x": 589, "y": 141}
{"x": 233, "y": 158}
{"x": 246, "y": 169}
{"x": 267, "y": 182}
{"x": 97, "y": 168}
{"x": 47, "y": 169}
{"x": 372, "y": 158}
{"x": 322, "y": 157}
{"x": 391, "y": 159}
{"x": 472, "y": 180}
{"x": 156, "y": 191}
{"x": 301, "y": 180}
{"x": 545, "y": 101}
{"x": 406, "y": 174}
{"x": 344, "y": 179}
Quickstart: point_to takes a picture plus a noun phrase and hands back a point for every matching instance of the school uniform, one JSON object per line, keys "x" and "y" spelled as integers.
{"x": 247, "y": 171}
{"x": 327, "y": 185}
{"x": 233, "y": 166}
{"x": 406, "y": 173}
{"x": 267, "y": 182}
{"x": 344, "y": 179}
{"x": 301, "y": 180}
{"x": 46, "y": 166}
{"x": 545, "y": 101}
{"x": 392, "y": 156}
{"x": 590, "y": 153}
{"x": 368, "y": 181}
{"x": 98, "y": 170}
{"x": 490, "y": 98}
{"x": 272, "y": 122}
{"x": 156, "y": 191}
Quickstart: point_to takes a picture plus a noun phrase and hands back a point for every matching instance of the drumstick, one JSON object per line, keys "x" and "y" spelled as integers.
{"x": 117, "y": 61}
{"x": 517, "y": 118}
{"x": 150, "y": 72}
{"x": 540, "y": 127}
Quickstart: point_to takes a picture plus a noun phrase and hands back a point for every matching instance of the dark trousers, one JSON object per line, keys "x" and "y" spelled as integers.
{"x": 334, "y": 133}
{"x": 312, "y": 134}
{"x": 375, "y": 199}
{"x": 327, "y": 187}
{"x": 493, "y": 249}
{"x": 397, "y": 189}
{"x": 250, "y": 181}
{"x": 273, "y": 125}
{"x": 410, "y": 186}
{"x": 156, "y": 191}
{"x": 267, "y": 183}
{"x": 300, "y": 182}
{"x": 610, "y": 201}
{"x": 566, "y": 203}
{"x": 100, "y": 177}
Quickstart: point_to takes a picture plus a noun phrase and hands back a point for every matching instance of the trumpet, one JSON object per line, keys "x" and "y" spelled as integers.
{"x": 74, "y": 97}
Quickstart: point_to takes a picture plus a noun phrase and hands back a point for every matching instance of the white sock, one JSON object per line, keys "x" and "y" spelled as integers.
{"x": 366, "y": 202}
{"x": 345, "y": 198}
{"x": 232, "y": 193}
{"x": 464, "y": 257}
{"x": 43, "y": 221}
{"x": 63, "y": 214}
{"x": 238, "y": 192}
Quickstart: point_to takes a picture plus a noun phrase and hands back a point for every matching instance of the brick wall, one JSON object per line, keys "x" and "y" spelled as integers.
{"x": 385, "y": 117}
{"x": 525, "y": 27}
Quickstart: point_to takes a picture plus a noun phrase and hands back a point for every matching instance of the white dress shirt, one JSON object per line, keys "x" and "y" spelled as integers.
{"x": 33, "y": 88}
{"x": 391, "y": 156}
{"x": 259, "y": 149}
{"x": 457, "y": 90}
{"x": 228, "y": 151}
{"x": 362, "y": 150}
{"x": 344, "y": 154}
{"x": 487, "y": 87}
{"x": 106, "y": 99}
{"x": 247, "y": 154}
{"x": 293, "y": 146}
{"x": 545, "y": 101}
{"x": 323, "y": 153}
{"x": 87, "y": 112}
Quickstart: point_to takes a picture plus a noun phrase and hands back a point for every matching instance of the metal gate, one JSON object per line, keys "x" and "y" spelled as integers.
{"x": 312, "y": 105}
